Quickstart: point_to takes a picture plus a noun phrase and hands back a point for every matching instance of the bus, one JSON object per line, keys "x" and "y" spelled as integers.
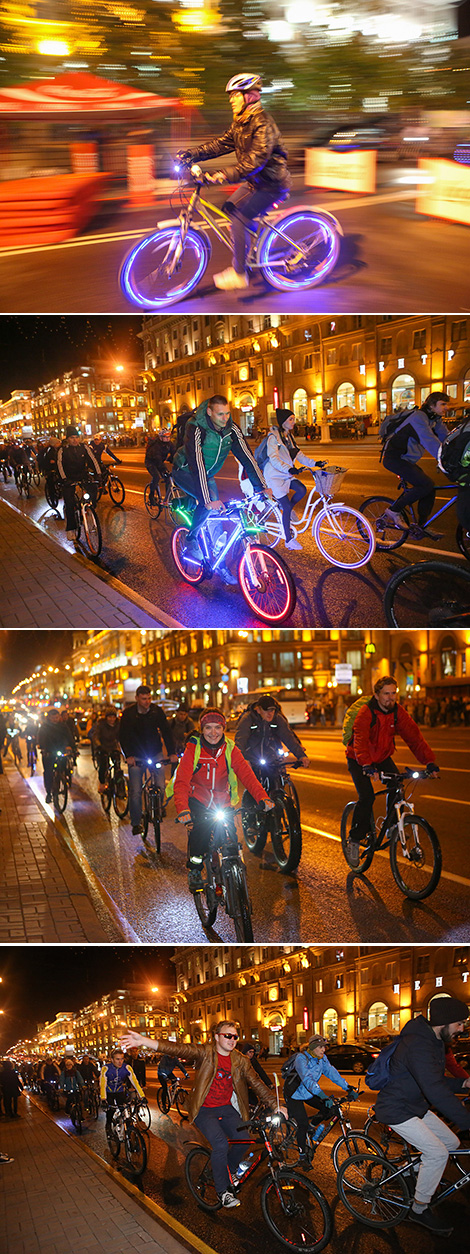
{"x": 293, "y": 702}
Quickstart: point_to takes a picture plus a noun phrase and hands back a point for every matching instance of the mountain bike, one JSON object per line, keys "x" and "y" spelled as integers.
{"x": 223, "y": 877}
{"x": 77, "y": 1112}
{"x": 52, "y": 1095}
{"x": 153, "y": 800}
{"x": 389, "y": 537}
{"x": 293, "y": 250}
{"x": 32, "y": 754}
{"x": 112, "y": 484}
{"x": 264, "y": 577}
{"x": 86, "y": 520}
{"x": 283, "y": 822}
{"x": 428, "y": 594}
{"x": 61, "y": 780}
{"x": 122, "y": 1130}
{"x": 116, "y": 789}
{"x": 344, "y": 536}
{"x": 293, "y": 1207}
{"x": 23, "y": 481}
{"x": 166, "y": 504}
{"x": 380, "y": 1193}
{"x": 349, "y": 1142}
{"x": 414, "y": 849}
{"x": 173, "y": 1095}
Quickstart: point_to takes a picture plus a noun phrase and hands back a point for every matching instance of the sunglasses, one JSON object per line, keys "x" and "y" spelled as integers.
{"x": 229, "y": 1036}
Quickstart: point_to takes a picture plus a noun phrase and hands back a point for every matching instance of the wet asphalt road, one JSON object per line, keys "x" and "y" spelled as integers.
{"x": 322, "y": 900}
{"x": 137, "y": 549}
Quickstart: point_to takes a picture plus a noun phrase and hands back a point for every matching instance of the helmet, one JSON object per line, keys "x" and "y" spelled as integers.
{"x": 244, "y": 82}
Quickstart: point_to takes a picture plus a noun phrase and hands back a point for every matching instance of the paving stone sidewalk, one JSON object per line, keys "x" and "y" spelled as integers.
{"x": 55, "y": 1199}
{"x": 43, "y": 896}
{"x": 41, "y": 585}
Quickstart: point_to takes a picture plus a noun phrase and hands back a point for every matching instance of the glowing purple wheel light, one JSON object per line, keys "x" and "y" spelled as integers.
{"x": 300, "y": 227}
{"x": 143, "y": 278}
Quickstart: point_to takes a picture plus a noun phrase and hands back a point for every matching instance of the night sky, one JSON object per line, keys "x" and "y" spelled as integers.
{"x": 35, "y": 350}
{"x": 38, "y": 981}
{"x": 21, "y": 652}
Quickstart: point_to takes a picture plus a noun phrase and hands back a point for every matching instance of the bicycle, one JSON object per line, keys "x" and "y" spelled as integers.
{"x": 264, "y": 577}
{"x": 153, "y": 800}
{"x": 53, "y": 490}
{"x": 141, "y": 1113}
{"x": 282, "y": 823}
{"x": 52, "y": 1095}
{"x": 32, "y": 754}
{"x": 414, "y": 849}
{"x": 86, "y": 520}
{"x": 116, "y": 789}
{"x": 348, "y": 1143}
{"x": 292, "y": 250}
{"x": 224, "y": 880}
{"x": 344, "y": 535}
{"x": 122, "y": 1131}
{"x": 380, "y": 1194}
{"x": 389, "y": 537}
{"x": 168, "y": 503}
{"x": 428, "y": 594}
{"x": 174, "y": 1095}
{"x": 90, "y": 1100}
{"x": 23, "y": 481}
{"x": 391, "y": 1144}
{"x": 111, "y": 484}
{"x": 293, "y": 1207}
{"x": 61, "y": 780}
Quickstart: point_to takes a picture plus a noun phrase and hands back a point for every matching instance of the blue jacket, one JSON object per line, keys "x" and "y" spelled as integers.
{"x": 310, "y": 1069}
{"x": 416, "y": 436}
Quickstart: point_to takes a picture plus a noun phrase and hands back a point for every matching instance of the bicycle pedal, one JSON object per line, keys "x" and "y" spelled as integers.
{"x": 219, "y": 892}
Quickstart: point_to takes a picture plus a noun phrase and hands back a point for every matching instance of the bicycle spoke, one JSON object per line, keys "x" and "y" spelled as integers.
{"x": 296, "y": 1212}
{"x": 157, "y": 273}
{"x": 416, "y": 860}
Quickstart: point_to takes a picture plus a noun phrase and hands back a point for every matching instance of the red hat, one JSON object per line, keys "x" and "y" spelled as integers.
{"x": 212, "y": 716}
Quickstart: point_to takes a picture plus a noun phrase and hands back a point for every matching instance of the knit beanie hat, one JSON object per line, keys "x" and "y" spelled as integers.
{"x": 282, "y": 414}
{"x": 212, "y": 716}
{"x": 444, "y": 1010}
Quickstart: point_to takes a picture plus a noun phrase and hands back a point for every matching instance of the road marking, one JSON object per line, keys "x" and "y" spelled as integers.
{"x": 383, "y": 853}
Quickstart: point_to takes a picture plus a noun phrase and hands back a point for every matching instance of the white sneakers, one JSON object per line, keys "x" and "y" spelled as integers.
{"x": 293, "y": 544}
{"x": 229, "y": 279}
{"x": 229, "y": 1200}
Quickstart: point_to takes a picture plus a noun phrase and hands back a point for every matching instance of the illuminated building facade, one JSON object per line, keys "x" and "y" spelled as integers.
{"x": 105, "y": 397}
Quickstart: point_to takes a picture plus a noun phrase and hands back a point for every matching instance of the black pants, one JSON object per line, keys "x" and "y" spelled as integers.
{"x": 363, "y": 809}
{"x": 103, "y": 761}
{"x": 114, "y": 1100}
{"x": 11, "y": 1102}
{"x": 244, "y": 205}
{"x": 296, "y": 1110}
{"x": 203, "y": 820}
{"x": 422, "y": 488}
{"x": 287, "y": 503}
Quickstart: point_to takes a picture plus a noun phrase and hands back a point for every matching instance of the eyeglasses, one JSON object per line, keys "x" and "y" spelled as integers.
{"x": 229, "y": 1036}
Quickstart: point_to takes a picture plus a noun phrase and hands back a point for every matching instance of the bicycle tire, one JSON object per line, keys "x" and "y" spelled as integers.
{"x": 116, "y": 490}
{"x": 257, "y": 842}
{"x": 92, "y": 529}
{"x": 135, "y": 1151}
{"x": 286, "y": 835}
{"x": 114, "y": 1144}
{"x": 163, "y": 1101}
{"x": 362, "y": 1186}
{"x": 428, "y": 594}
{"x": 325, "y": 239}
{"x": 140, "y": 277}
{"x": 182, "y": 1103}
{"x": 238, "y": 902}
{"x": 304, "y": 1236}
{"x": 462, "y": 536}
{"x": 205, "y": 900}
{"x": 60, "y": 792}
{"x": 105, "y": 797}
{"x": 143, "y": 1114}
{"x": 272, "y": 594}
{"x": 155, "y": 509}
{"x": 36, "y": 478}
{"x": 94, "y": 1106}
{"x": 373, "y": 509}
{"x": 392, "y": 1145}
{"x": 351, "y": 1144}
{"x": 199, "y": 1179}
{"x": 76, "y": 1115}
{"x": 190, "y": 569}
{"x": 340, "y": 532}
{"x": 120, "y": 796}
{"x": 398, "y": 863}
{"x": 145, "y": 814}
{"x": 157, "y": 820}
{"x": 291, "y": 791}
{"x": 366, "y": 852}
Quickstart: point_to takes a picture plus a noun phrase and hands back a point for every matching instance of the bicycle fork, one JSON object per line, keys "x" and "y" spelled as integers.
{"x": 404, "y": 807}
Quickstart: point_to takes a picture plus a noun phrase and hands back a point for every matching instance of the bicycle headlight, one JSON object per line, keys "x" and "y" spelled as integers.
{"x": 149, "y": 761}
{"x": 262, "y": 761}
{"x": 86, "y": 496}
{"x": 415, "y": 775}
{"x": 220, "y": 815}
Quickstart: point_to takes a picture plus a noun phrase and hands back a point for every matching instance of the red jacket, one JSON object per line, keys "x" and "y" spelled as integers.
{"x": 209, "y": 783}
{"x": 377, "y": 743}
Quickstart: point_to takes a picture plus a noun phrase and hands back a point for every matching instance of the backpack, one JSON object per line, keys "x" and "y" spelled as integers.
{"x": 378, "y": 1074}
{"x": 182, "y": 420}
{"x": 454, "y": 454}
{"x": 290, "y": 1075}
{"x": 261, "y": 453}
{"x": 391, "y": 424}
{"x": 351, "y": 716}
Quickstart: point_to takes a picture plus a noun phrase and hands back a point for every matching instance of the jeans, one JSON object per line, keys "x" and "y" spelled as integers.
{"x": 203, "y": 820}
{"x": 219, "y": 1124}
{"x": 245, "y": 204}
{"x": 363, "y": 808}
{"x": 287, "y": 503}
{"x": 422, "y": 489}
{"x": 135, "y": 790}
{"x": 435, "y": 1140}
{"x": 184, "y": 479}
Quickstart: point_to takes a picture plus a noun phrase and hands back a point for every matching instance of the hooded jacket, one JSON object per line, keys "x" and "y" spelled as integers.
{"x": 209, "y": 783}
{"x": 417, "y": 1079}
{"x": 420, "y": 433}
{"x": 205, "y": 450}
{"x": 258, "y": 739}
{"x": 375, "y": 744}
{"x": 204, "y": 1058}
{"x": 256, "y": 141}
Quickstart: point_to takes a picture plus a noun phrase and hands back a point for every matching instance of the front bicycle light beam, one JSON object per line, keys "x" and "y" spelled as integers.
{"x": 220, "y": 815}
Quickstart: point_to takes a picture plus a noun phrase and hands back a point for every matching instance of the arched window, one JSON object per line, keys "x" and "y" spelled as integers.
{"x": 345, "y": 395}
{"x": 403, "y": 391}
{"x": 300, "y": 405}
{"x": 378, "y": 1015}
{"x": 330, "y": 1025}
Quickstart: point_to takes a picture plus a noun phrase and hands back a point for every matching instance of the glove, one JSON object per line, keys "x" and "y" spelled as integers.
{"x": 217, "y": 177}
{"x": 353, "y": 1094}
{"x": 329, "y": 1102}
{"x": 432, "y": 768}
{"x": 294, "y": 471}
{"x": 369, "y": 770}
{"x": 184, "y": 157}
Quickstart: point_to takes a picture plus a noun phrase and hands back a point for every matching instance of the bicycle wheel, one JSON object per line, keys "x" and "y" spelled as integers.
{"x": 189, "y": 567}
{"x": 36, "y": 478}
{"x": 344, "y": 536}
{"x": 145, "y": 813}
{"x": 353, "y": 1143}
{"x": 155, "y": 509}
{"x": 120, "y": 795}
{"x": 51, "y": 495}
{"x": 462, "y": 536}
{"x": 116, "y": 490}
{"x": 157, "y": 819}
{"x": 143, "y": 1114}
{"x": 267, "y": 516}
{"x": 238, "y": 901}
{"x": 136, "y": 1151}
{"x": 386, "y": 536}
{"x": 255, "y": 831}
{"x": 267, "y": 584}
{"x": 114, "y": 1144}
{"x": 392, "y": 1145}
{"x": 205, "y": 899}
{"x": 182, "y": 1102}
{"x": 286, "y": 835}
{"x": 428, "y": 594}
{"x": 76, "y": 1115}
{"x": 416, "y": 865}
{"x": 160, "y": 270}
{"x": 366, "y": 849}
{"x": 296, "y": 1211}
{"x": 372, "y": 1192}
{"x": 199, "y": 1178}
{"x": 292, "y": 793}
{"x": 316, "y": 234}
{"x": 105, "y": 797}
{"x": 59, "y": 790}
{"x": 93, "y": 1106}
{"x": 92, "y": 529}
{"x": 163, "y": 1101}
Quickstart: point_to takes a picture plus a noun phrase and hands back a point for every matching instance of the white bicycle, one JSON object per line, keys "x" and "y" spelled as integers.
{"x": 343, "y": 535}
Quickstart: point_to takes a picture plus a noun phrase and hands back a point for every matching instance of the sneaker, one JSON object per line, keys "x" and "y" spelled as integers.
{"x": 229, "y": 279}
{"x": 428, "y": 1220}
{"x": 71, "y": 535}
{"x": 48, "y": 798}
{"x": 303, "y": 1162}
{"x": 194, "y": 875}
{"x": 5, "y": 1158}
{"x": 228, "y": 1199}
{"x": 136, "y": 829}
{"x": 192, "y": 548}
{"x": 226, "y": 575}
{"x": 293, "y": 544}
{"x": 353, "y": 853}
{"x": 394, "y": 520}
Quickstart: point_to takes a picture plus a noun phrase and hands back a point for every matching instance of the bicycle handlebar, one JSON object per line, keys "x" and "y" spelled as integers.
{"x": 151, "y": 762}
{"x": 409, "y": 773}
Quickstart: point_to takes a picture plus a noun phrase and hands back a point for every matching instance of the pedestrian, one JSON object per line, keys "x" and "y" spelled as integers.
{"x": 11, "y": 1087}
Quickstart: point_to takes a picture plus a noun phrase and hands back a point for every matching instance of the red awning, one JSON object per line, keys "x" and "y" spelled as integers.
{"x": 76, "y": 94}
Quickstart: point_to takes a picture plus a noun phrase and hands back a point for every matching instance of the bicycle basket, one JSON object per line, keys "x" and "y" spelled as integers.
{"x": 329, "y": 480}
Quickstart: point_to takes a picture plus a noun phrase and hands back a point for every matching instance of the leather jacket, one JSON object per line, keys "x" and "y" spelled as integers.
{"x": 204, "y": 1058}
{"x": 256, "y": 141}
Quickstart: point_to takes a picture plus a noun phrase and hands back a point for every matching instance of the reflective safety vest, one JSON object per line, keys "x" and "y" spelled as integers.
{"x": 232, "y": 779}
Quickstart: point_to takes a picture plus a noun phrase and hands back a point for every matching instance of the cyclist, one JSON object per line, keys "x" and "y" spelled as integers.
{"x": 210, "y": 435}
{"x": 370, "y": 750}
{"x": 70, "y": 1082}
{"x": 53, "y": 737}
{"x": 261, "y": 732}
{"x": 416, "y": 1083}
{"x": 145, "y": 733}
{"x": 47, "y": 460}
{"x": 49, "y": 1073}
{"x": 31, "y": 735}
{"x": 182, "y": 726}
{"x": 166, "y": 1072}
{"x": 206, "y": 779}
{"x": 158, "y": 453}
{"x": 261, "y": 165}
{"x": 219, "y": 1096}
{"x": 421, "y": 430}
{"x": 106, "y": 744}
{"x": 280, "y": 470}
{"x": 75, "y": 463}
{"x": 99, "y": 445}
{"x": 248, "y": 1049}
{"x": 88, "y": 1069}
{"x": 309, "y": 1065}
{"x": 115, "y": 1079}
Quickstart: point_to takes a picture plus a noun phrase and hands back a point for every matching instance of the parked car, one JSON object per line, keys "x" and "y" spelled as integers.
{"x": 351, "y": 1058}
